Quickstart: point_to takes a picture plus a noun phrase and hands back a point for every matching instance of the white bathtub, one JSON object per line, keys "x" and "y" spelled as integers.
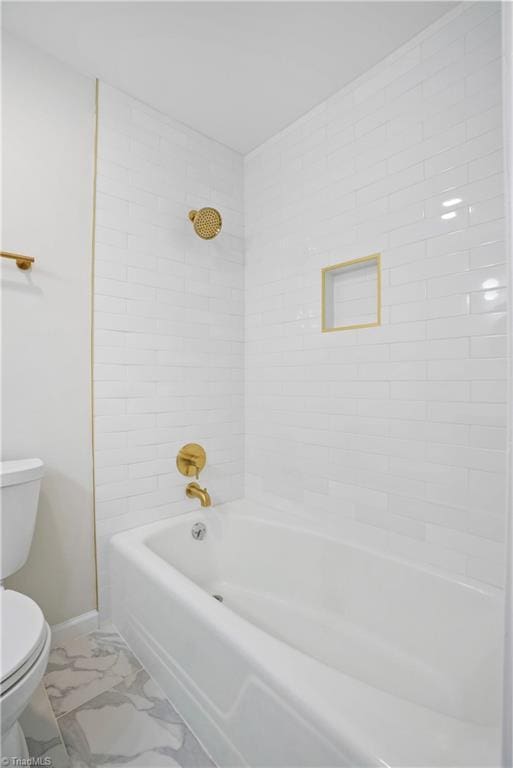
{"x": 322, "y": 654}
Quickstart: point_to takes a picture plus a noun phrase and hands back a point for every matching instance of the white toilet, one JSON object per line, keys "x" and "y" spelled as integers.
{"x": 25, "y": 635}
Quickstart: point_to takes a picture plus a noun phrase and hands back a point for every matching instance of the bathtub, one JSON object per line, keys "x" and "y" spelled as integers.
{"x": 320, "y": 653}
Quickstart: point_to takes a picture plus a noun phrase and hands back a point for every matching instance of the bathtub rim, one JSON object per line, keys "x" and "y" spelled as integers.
{"x": 289, "y": 521}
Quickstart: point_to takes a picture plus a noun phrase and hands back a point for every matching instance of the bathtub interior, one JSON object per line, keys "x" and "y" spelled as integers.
{"x": 413, "y": 634}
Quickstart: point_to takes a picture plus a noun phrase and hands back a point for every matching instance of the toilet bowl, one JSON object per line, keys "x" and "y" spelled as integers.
{"x": 24, "y": 655}
{"x": 25, "y": 635}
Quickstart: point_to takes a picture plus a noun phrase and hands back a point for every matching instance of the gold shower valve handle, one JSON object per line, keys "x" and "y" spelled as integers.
{"x": 191, "y": 459}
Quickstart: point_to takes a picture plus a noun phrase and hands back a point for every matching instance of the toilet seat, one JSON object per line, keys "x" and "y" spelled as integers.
{"x": 24, "y": 634}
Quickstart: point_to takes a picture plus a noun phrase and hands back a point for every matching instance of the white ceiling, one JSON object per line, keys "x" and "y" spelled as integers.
{"x": 236, "y": 71}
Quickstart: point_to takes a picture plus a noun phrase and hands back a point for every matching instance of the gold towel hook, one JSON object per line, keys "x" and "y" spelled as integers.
{"x": 22, "y": 262}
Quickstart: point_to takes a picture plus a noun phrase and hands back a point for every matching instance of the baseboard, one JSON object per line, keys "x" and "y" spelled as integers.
{"x": 79, "y": 625}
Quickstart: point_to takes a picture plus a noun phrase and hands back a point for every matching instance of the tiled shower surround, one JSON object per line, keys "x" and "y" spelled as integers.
{"x": 168, "y": 308}
{"x": 395, "y": 434}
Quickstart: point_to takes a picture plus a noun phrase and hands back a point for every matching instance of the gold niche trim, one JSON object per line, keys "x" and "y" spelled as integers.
{"x": 324, "y": 271}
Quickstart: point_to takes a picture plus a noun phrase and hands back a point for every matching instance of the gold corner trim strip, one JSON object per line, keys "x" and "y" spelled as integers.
{"x": 324, "y": 270}
{"x": 93, "y": 264}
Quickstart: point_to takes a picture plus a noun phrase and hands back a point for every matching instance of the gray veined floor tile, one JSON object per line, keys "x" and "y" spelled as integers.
{"x": 42, "y": 732}
{"x": 132, "y": 724}
{"x": 80, "y": 669}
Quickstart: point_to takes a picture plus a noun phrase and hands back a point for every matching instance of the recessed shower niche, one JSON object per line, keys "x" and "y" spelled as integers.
{"x": 351, "y": 294}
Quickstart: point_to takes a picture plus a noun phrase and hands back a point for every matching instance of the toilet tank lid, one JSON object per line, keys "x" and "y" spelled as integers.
{"x": 20, "y": 471}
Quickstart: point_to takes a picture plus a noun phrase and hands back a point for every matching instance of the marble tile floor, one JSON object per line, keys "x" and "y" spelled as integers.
{"x": 107, "y": 711}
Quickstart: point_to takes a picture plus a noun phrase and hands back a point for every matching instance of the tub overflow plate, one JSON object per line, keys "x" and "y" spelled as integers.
{"x": 199, "y": 531}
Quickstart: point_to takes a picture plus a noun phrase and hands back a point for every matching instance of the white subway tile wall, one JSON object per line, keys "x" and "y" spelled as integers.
{"x": 168, "y": 318}
{"x": 395, "y": 434}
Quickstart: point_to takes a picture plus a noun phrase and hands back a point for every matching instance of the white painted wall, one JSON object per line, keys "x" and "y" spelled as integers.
{"x": 47, "y": 143}
{"x": 395, "y": 434}
{"x": 169, "y": 323}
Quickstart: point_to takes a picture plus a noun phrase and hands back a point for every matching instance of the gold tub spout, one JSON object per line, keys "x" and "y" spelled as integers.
{"x": 193, "y": 491}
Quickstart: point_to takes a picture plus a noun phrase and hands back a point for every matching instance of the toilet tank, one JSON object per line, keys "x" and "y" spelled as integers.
{"x": 20, "y": 481}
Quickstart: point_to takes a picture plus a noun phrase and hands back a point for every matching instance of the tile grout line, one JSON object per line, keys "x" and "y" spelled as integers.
{"x": 55, "y": 718}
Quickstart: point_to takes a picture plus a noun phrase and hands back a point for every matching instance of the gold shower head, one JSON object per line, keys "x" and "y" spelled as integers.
{"x": 207, "y": 222}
